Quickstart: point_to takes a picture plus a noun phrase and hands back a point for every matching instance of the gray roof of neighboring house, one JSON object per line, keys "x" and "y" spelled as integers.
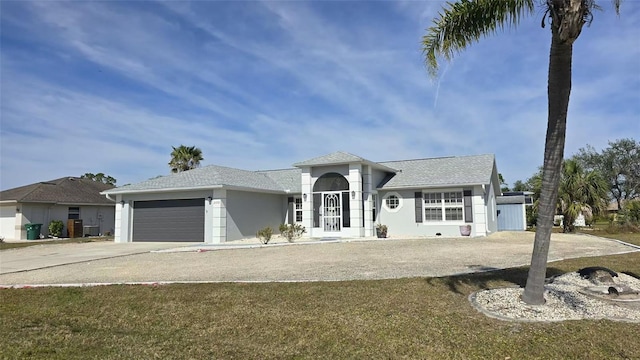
{"x": 511, "y": 199}
{"x": 211, "y": 176}
{"x": 459, "y": 170}
{"x": 66, "y": 190}
{"x": 341, "y": 157}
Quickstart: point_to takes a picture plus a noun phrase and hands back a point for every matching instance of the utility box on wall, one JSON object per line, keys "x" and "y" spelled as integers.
{"x": 74, "y": 228}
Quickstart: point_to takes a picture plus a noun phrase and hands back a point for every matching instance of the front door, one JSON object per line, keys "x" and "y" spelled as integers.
{"x": 332, "y": 212}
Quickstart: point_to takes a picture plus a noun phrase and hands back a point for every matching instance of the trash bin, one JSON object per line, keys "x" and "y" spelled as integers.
{"x": 33, "y": 231}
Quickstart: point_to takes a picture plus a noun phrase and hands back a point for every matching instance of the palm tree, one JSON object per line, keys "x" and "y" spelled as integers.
{"x": 185, "y": 158}
{"x": 580, "y": 190}
{"x": 465, "y": 22}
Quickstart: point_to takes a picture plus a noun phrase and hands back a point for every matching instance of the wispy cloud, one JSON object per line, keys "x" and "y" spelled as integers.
{"x": 111, "y": 86}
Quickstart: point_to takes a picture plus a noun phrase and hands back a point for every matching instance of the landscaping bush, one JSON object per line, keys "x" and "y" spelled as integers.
{"x": 633, "y": 211}
{"x": 55, "y": 228}
{"x": 265, "y": 235}
{"x": 291, "y": 232}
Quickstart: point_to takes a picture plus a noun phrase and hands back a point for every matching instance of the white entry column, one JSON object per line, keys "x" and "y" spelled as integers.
{"x": 367, "y": 194}
{"x": 355, "y": 200}
{"x": 307, "y": 201}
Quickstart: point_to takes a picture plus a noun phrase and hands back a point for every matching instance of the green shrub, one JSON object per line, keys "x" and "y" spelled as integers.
{"x": 532, "y": 216}
{"x": 633, "y": 211}
{"x": 55, "y": 228}
{"x": 291, "y": 232}
{"x": 265, "y": 235}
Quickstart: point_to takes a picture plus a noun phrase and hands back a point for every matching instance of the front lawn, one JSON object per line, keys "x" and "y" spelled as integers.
{"x": 631, "y": 238}
{"x": 428, "y": 318}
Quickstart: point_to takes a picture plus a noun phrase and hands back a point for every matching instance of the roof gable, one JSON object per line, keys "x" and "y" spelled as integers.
{"x": 341, "y": 157}
{"x": 67, "y": 190}
{"x": 338, "y": 157}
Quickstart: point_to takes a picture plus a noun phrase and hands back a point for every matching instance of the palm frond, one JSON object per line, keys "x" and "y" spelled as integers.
{"x": 464, "y": 22}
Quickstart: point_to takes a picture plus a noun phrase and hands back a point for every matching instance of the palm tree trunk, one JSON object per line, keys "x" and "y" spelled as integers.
{"x": 558, "y": 91}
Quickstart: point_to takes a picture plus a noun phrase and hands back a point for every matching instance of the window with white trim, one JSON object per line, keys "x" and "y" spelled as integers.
{"x": 298, "y": 209}
{"x": 392, "y": 201}
{"x": 443, "y": 206}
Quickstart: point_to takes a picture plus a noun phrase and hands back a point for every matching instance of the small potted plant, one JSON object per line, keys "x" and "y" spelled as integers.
{"x": 465, "y": 230}
{"x": 381, "y": 231}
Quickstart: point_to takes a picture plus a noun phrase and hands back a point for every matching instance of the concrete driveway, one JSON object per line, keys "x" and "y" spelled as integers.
{"x": 48, "y": 255}
{"x": 374, "y": 259}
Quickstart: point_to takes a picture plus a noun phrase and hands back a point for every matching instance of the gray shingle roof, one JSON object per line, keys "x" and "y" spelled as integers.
{"x": 206, "y": 177}
{"x": 338, "y": 157}
{"x": 288, "y": 179}
{"x": 465, "y": 170}
{"x": 341, "y": 157}
{"x": 462, "y": 170}
{"x": 66, "y": 190}
{"x": 515, "y": 199}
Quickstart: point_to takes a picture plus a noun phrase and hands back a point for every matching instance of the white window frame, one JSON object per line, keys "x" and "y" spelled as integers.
{"x": 387, "y": 196}
{"x": 437, "y": 204}
{"x": 297, "y": 209}
{"x": 443, "y": 202}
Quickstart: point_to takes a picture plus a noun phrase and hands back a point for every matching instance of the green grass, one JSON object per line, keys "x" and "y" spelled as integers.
{"x": 12, "y": 245}
{"x": 631, "y": 238}
{"x": 386, "y": 319}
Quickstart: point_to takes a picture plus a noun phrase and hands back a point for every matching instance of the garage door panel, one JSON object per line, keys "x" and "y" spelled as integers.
{"x": 169, "y": 220}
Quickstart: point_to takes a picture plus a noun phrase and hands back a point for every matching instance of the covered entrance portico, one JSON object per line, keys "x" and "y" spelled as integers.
{"x": 331, "y": 205}
{"x": 337, "y": 196}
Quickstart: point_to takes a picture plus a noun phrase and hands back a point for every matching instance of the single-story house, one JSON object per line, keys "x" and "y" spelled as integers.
{"x": 68, "y": 198}
{"x": 336, "y": 195}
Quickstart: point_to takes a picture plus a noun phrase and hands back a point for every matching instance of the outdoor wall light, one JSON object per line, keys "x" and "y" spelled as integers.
{"x": 210, "y": 199}
{"x": 304, "y": 197}
{"x": 353, "y": 194}
{"x": 122, "y": 202}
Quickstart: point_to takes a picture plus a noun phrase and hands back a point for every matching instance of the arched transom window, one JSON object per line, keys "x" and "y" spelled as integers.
{"x": 331, "y": 182}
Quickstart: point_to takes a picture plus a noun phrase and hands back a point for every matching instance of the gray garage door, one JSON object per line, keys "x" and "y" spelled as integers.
{"x": 169, "y": 220}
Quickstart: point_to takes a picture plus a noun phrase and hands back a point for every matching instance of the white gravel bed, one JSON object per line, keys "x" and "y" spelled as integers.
{"x": 564, "y": 301}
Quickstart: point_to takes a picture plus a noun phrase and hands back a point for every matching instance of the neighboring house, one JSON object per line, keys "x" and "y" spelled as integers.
{"x": 512, "y": 210}
{"x": 336, "y": 195}
{"x": 60, "y": 199}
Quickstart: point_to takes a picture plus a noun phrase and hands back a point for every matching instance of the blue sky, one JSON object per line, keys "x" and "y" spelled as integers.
{"x": 111, "y": 86}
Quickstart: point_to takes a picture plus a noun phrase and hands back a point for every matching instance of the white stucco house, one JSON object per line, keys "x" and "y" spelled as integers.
{"x": 332, "y": 196}
{"x": 64, "y": 199}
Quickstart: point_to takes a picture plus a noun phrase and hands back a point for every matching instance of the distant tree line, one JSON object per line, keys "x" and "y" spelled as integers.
{"x": 591, "y": 180}
{"x": 100, "y": 177}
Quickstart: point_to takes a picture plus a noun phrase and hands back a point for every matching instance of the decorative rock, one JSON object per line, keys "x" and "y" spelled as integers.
{"x": 565, "y": 300}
